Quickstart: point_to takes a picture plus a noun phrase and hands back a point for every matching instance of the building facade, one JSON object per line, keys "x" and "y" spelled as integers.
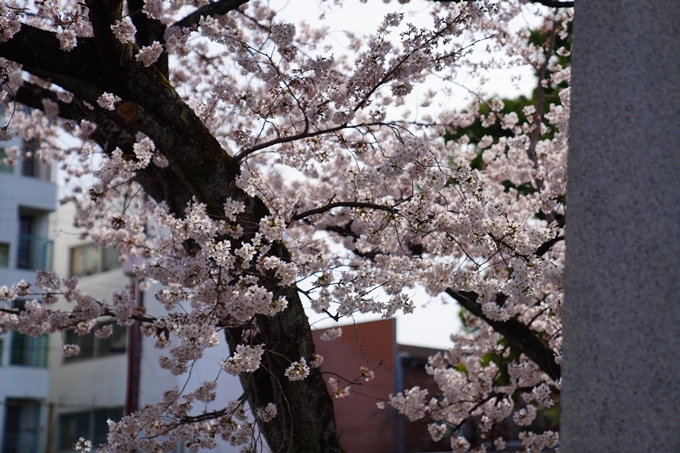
{"x": 364, "y": 427}
{"x": 27, "y": 197}
{"x": 120, "y": 373}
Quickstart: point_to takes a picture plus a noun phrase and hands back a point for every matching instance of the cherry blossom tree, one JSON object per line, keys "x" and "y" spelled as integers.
{"x": 236, "y": 155}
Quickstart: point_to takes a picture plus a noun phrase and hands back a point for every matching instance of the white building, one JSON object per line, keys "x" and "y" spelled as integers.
{"x": 27, "y": 197}
{"x": 94, "y": 386}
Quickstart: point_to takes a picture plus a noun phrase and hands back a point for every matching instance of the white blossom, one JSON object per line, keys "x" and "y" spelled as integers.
{"x": 70, "y": 350}
{"x": 330, "y": 190}
{"x": 283, "y": 34}
{"x": 153, "y": 8}
{"x": 67, "y": 40}
{"x": 246, "y": 359}
{"x": 268, "y": 413}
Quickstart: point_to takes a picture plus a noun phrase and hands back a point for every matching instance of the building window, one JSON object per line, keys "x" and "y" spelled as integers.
{"x": 29, "y": 351}
{"x": 4, "y": 254}
{"x": 22, "y": 426}
{"x": 25, "y": 350}
{"x": 29, "y": 164}
{"x": 91, "y": 259}
{"x": 33, "y": 252}
{"x": 89, "y": 425}
{"x": 4, "y": 168}
{"x": 91, "y": 346}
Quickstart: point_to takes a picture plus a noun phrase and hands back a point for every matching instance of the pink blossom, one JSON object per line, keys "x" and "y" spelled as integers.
{"x": 341, "y": 189}
{"x": 148, "y": 55}
{"x": 283, "y": 34}
{"x": 153, "y": 8}
{"x": 246, "y": 359}
{"x": 332, "y": 334}
{"x": 108, "y": 101}
{"x": 124, "y": 30}
{"x": 70, "y": 350}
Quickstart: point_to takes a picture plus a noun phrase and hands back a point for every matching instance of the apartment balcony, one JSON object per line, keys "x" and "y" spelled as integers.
{"x": 34, "y": 252}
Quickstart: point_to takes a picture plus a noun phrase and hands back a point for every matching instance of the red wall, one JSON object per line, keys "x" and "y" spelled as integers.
{"x": 364, "y": 427}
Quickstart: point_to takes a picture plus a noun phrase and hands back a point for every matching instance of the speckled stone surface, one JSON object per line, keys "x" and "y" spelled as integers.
{"x": 621, "y": 363}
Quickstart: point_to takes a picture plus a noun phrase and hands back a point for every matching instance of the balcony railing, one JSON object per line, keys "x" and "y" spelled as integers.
{"x": 34, "y": 252}
{"x": 31, "y": 166}
{"x": 22, "y": 430}
{"x": 29, "y": 351}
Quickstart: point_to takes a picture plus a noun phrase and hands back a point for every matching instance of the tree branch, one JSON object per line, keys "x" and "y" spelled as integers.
{"x": 517, "y": 334}
{"x": 342, "y": 204}
{"x": 39, "y": 49}
{"x": 555, "y": 3}
{"x": 81, "y": 89}
{"x": 540, "y": 96}
{"x": 111, "y": 53}
{"x": 211, "y": 9}
{"x": 302, "y": 135}
{"x": 547, "y": 245}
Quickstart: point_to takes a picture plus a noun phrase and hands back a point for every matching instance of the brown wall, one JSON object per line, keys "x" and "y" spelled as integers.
{"x": 364, "y": 427}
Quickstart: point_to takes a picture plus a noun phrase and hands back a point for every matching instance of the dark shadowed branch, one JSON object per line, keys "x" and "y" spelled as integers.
{"x": 517, "y": 334}
{"x": 211, "y": 9}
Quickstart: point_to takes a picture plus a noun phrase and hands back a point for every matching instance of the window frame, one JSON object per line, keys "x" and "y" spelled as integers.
{"x": 92, "y": 347}
{"x": 91, "y": 417}
{"x": 5, "y": 253}
{"x": 101, "y": 255}
{"x": 34, "y": 351}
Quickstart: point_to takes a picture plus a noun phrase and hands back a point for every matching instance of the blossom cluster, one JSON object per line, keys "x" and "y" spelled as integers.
{"x": 149, "y": 54}
{"x": 340, "y": 194}
{"x": 246, "y": 359}
{"x": 297, "y": 371}
{"x": 10, "y": 22}
{"x": 124, "y": 30}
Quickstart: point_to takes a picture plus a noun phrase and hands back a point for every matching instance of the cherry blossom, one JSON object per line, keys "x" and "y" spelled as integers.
{"x": 124, "y": 30}
{"x": 149, "y": 54}
{"x": 297, "y": 371}
{"x": 67, "y": 40}
{"x": 251, "y": 169}
{"x": 108, "y": 101}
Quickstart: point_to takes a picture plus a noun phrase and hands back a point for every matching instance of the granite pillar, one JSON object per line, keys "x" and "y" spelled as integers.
{"x": 621, "y": 357}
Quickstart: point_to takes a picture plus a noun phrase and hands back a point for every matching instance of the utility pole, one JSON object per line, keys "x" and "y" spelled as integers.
{"x": 134, "y": 350}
